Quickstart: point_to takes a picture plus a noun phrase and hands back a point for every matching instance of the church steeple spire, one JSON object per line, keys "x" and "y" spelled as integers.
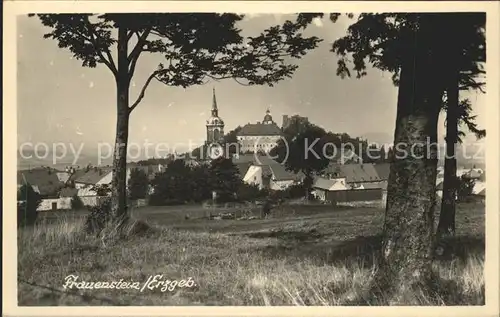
{"x": 215, "y": 125}
{"x": 214, "y": 105}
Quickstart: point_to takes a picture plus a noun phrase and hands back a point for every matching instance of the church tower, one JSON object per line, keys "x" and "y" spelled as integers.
{"x": 215, "y": 125}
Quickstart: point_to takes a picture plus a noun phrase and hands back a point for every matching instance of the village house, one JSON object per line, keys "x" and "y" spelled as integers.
{"x": 57, "y": 188}
{"x": 271, "y": 176}
{"x": 323, "y": 186}
{"x": 45, "y": 182}
{"x": 352, "y": 183}
{"x": 479, "y": 189}
{"x": 264, "y": 172}
{"x": 476, "y": 174}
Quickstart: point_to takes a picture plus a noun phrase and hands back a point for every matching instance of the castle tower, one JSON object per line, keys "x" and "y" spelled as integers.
{"x": 268, "y": 119}
{"x": 215, "y": 125}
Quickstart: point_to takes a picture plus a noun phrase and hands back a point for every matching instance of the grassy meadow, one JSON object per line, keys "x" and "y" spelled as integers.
{"x": 303, "y": 255}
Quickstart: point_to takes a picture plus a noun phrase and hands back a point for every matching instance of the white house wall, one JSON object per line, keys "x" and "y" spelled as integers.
{"x": 86, "y": 189}
{"x": 257, "y": 143}
{"x": 108, "y": 178}
{"x": 319, "y": 194}
{"x": 478, "y": 187}
{"x": 80, "y": 185}
{"x": 63, "y": 203}
{"x": 340, "y": 184}
{"x": 253, "y": 176}
{"x": 280, "y": 185}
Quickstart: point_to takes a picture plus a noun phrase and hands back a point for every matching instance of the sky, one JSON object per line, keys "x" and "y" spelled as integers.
{"x": 61, "y": 101}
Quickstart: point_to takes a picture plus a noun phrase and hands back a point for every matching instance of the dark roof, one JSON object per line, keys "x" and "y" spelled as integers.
{"x": 243, "y": 167}
{"x": 269, "y": 166}
{"x": 77, "y": 174}
{"x": 383, "y": 170}
{"x": 68, "y": 192}
{"x": 258, "y": 129}
{"x": 253, "y": 159}
{"x": 280, "y": 173}
{"x": 354, "y": 173}
{"x": 93, "y": 175}
{"x": 44, "y": 178}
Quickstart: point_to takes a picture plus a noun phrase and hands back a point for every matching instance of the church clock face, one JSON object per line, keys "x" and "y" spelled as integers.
{"x": 215, "y": 151}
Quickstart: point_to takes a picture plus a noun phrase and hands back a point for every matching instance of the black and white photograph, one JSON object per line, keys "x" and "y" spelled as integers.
{"x": 225, "y": 158}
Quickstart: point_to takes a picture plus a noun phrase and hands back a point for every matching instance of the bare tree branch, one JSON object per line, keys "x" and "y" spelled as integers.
{"x": 143, "y": 90}
{"x": 136, "y": 52}
{"x": 129, "y": 35}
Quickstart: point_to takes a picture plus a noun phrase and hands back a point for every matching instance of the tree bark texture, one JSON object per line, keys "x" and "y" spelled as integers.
{"x": 446, "y": 224}
{"x": 409, "y": 217}
{"x": 119, "y": 180}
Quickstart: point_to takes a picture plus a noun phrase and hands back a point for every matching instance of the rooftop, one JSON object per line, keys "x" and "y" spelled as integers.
{"x": 93, "y": 175}
{"x": 260, "y": 129}
{"x": 354, "y": 173}
{"x": 43, "y": 178}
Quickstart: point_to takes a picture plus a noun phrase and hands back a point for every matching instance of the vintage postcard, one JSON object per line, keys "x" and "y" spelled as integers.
{"x": 251, "y": 158}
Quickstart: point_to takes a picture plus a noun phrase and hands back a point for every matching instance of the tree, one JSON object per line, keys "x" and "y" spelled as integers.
{"x": 225, "y": 179}
{"x": 28, "y": 202}
{"x": 407, "y": 45}
{"x": 76, "y": 203}
{"x": 413, "y": 48}
{"x": 138, "y": 184}
{"x": 196, "y": 47}
{"x": 455, "y": 116}
{"x": 304, "y": 152}
{"x": 465, "y": 48}
{"x": 101, "y": 190}
{"x": 174, "y": 185}
{"x": 382, "y": 154}
{"x": 250, "y": 192}
{"x": 201, "y": 183}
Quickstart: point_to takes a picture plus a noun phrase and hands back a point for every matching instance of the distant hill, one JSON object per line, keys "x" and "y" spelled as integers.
{"x": 38, "y": 160}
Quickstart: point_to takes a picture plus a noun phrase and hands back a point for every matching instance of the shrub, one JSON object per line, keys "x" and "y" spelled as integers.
{"x": 28, "y": 202}
{"x": 248, "y": 192}
{"x": 295, "y": 191}
{"x": 98, "y": 217}
{"x": 465, "y": 188}
{"x": 76, "y": 203}
{"x": 138, "y": 184}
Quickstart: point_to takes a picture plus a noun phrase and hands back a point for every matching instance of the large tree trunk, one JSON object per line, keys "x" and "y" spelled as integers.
{"x": 119, "y": 186}
{"x": 446, "y": 224}
{"x": 411, "y": 197}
